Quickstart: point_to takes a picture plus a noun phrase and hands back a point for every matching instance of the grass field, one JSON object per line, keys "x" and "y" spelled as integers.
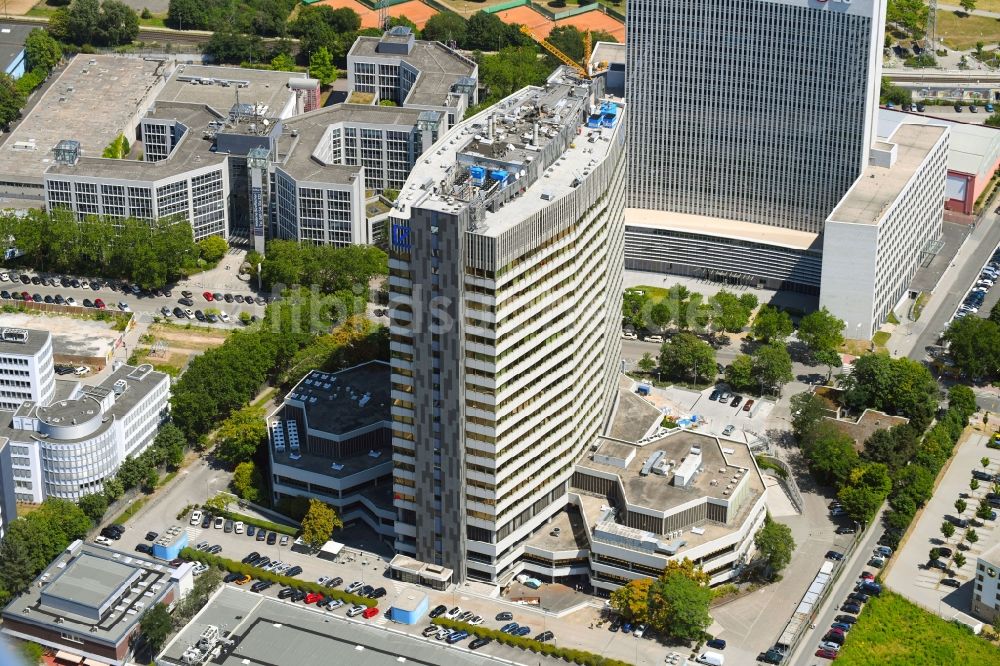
{"x": 963, "y": 32}
{"x": 893, "y": 632}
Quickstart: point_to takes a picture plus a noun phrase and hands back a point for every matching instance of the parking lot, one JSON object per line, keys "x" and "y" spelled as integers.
{"x": 981, "y": 296}
{"x": 577, "y": 629}
{"x": 909, "y": 574}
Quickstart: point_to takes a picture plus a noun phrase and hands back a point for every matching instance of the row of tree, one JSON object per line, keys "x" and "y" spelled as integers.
{"x": 684, "y": 310}
{"x": 149, "y": 253}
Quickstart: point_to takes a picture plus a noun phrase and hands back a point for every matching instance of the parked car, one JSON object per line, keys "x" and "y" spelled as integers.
{"x": 479, "y": 642}
{"x": 271, "y": 538}
{"x": 294, "y": 571}
{"x": 438, "y": 611}
{"x": 371, "y": 612}
{"x": 357, "y": 585}
{"x": 501, "y": 617}
{"x": 151, "y": 536}
{"x": 511, "y": 627}
{"x": 834, "y": 555}
{"x": 220, "y": 522}
{"x": 748, "y": 406}
{"x": 355, "y": 610}
{"x": 335, "y": 582}
{"x": 143, "y": 548}
{"x": 313, "y": 597}
{"x": 728, "y": 430}
{"x": 851, "y": 608}
{"x": 951, "y": 582}
{"x": 826, "y": 654}
{"x": 716, "y": 644}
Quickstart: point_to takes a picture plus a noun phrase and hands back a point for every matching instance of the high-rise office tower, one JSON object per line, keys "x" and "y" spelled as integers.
{"x": 505, "y": 279}
{"x": 747, "y": 111}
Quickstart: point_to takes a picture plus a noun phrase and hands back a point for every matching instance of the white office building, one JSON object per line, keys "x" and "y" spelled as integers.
{"x": 26, "y": 368}
{"x": 883, "y": 228}
{"x": 505, "y": 287}
{"x": 66, "y": 448}
{"x": 411, "y": 73}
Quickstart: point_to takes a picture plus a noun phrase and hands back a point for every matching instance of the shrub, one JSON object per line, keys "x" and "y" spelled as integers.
{"x": 233, "y": 566}
{"x": 256, "y": 522}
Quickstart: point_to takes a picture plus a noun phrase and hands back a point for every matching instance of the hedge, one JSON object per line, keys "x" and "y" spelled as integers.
{"x": 256, "y": 522}
{"x": 568, "y": 654}
{"x": 233, "y": 566}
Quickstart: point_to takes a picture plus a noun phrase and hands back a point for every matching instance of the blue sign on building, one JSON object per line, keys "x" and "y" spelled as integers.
{"x": 401, "y": 235}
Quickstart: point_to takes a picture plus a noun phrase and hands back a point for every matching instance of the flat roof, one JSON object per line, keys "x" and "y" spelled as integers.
{"x": 265, "y": 87}
{"x": 440, "y": 67}
{"x": 87, "y": 574}
{"x": 722, "y": 228}
{"x": 572, "y": 534}
{"x": 346, "y": 401}
{"x": 310, "y": 129}
{"x": 607, "y": 52}
{"x": 548, "y": 166}
{"x": 12, "y": 39}
{"x": 633, "y": 418}
{"x": 873, "y": 193}
{"x": 118, "y": 86}
{"x": 193, "y": 151}
{"x": 972, "y": 149}
{"x": 89, "y": 580}
{"x": 16, "y": 340}
{"x": 657, "y": 492}
{"x": 275, "y": 632}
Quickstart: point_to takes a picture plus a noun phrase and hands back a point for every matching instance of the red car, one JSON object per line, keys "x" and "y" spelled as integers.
{"x": 313, "y": 597}
{"x": 370, "y": 613}
{"x": 748, "y": 405}
{"x": 867, "y": 575}
{"x": 25, "y": 295}
{"x": 826, "y": 654}
{"x": 99, "y": 304}
{"x": 207, "y": 295}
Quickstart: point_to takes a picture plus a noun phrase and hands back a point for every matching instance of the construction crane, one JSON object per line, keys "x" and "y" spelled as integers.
{"x": 588, "y": 48}
{"x": 559, "y": 55}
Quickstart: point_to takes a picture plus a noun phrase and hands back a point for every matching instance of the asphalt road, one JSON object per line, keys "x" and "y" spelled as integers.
{"x": 852, "y": 568}
{"x": 983, "y": 241}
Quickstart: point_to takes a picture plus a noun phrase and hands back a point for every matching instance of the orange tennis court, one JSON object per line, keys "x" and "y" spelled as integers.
{"x": 414, "y": 10}
{"x": 541, "y": 26}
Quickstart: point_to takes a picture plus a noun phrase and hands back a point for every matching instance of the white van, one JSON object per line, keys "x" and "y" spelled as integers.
{"x": 196, "y": 517}
{"x": 711, "y": 658}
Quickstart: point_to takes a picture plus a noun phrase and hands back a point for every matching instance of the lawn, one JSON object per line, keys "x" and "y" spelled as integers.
{"x": 892, "y": 631}
{"x": 962, "y": 32}
{"x": 655, "y": 294}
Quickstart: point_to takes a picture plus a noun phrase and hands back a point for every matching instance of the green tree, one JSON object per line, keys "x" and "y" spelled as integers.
{"x": 685, "y": 356}
{"x": 486, "y": 32}
{"x": 113, "y": 489}
{"x": 151, "y": 480}
{"x": 915, "y": 482}
{"x": 155, "y": 626}
{"x": 31, "y": 652}
{"x": 774, "y": 545}
{"x": 132, "y": 471}
{"x": 212, "y": 249}
{"x": 569, "y": 40}
{"x": 898, "y": 95}
{"x": 866, "y": 489}
{"x": 960, "y": 506}
{"x": 771, "y": 366}
{"x": 947, "y": 530}
{"x": 118, "y": 149}
{"x": 974, "y": 346}
{"x": 12, "y": 101}
{"x": 974, "y": 485}
{"x": 959, "y": 559}
{"x": 445, "y": 27}
{"x": 229, "y": 46}
{"x": 771, "y": 325}
{"x": 895, "y": 446}
{"x": 984, "y": 510}
{"x": 647, "y": 363}
{"x": 739, "y": 373}
{"x": 247, "y": 481}
{"x": 634, "y": 306}
{"x": 319, "y": 522}
{"x": 821, "y": 331}
{"x": 934, "y": 554}
{"x": 963, "y": 399}
{"x": 94, "y": 505}
{"x": 731, "y": 313}
{"x": 808, "y": 411}
{"x": 831, "y": 455}
{"x": 830, "y": 358}
{"x": 41, "y": 50}
{"x": 239, "y": 436}
{"x": 283, "y": 63}
{"x": 910, "y": 15}
{"x": 321, "y": 66}
{"x": 679, "y": 606}
{"x": 510, "y": 70}
{"x": 985, "y": 462}
{"x": 968, "y": 6}
{"x": 218, "y": 503}
{"x": 971, "y": 536}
